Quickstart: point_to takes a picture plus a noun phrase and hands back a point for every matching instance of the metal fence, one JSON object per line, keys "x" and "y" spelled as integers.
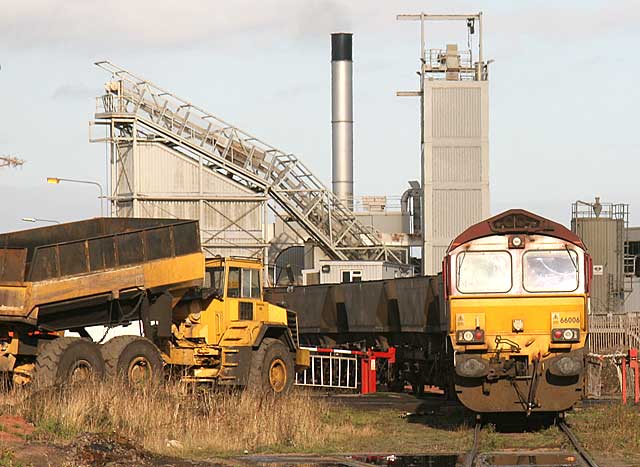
{"x": 336, "y": 370}
{"x": 610, "y": 333}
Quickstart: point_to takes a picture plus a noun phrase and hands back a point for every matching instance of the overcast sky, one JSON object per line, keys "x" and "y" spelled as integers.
{"x": 563, "y": 90}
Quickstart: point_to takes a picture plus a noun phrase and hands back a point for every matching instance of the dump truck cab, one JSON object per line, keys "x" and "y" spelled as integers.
{"x": 239, "y": 300}
{"x": 255, "y": 342}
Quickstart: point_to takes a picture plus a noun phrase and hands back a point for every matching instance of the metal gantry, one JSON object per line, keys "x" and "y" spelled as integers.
{"x": 135, "y": 108}
{"x": 10, "y": 161}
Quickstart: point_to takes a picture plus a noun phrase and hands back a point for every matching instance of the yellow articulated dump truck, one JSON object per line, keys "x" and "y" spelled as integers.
{"x": 205, "y": 320}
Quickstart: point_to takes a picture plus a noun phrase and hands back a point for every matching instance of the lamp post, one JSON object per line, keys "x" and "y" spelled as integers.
{"x": 37, "y": 219}
{"x": 56, "y": 181}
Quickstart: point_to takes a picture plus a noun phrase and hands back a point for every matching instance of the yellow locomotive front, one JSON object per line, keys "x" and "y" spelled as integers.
{"x": 517, "y": 288}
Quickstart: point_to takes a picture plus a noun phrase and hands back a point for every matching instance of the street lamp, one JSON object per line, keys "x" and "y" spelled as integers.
{"x": 56, "y": 181}
{"x": 37, "y": 219}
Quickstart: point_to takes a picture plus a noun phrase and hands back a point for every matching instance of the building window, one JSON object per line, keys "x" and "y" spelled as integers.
{"x": 351, "y": 276}
{"x": 633, "y": 248}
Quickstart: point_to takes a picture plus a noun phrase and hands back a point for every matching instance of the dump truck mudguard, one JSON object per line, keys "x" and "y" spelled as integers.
{"x": 276, "y": 331}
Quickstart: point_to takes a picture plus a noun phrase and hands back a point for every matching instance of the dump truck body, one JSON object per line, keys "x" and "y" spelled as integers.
{"x": 47, "y": 273}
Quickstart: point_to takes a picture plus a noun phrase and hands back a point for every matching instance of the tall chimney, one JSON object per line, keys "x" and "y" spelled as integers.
{"x": 342, "y": 117}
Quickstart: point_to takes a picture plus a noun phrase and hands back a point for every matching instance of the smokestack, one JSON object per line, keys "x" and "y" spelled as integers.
{"x": 342, "y": 117}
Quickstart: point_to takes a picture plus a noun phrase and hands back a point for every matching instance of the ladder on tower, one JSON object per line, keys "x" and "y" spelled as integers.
{"x": 231, "y": 151}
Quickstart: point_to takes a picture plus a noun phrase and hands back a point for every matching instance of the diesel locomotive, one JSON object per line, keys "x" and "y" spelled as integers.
{"x": 517, "y": 292}
{"x": 503, "y": 328}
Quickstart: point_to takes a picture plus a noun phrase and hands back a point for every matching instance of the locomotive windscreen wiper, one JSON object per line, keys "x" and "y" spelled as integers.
{"x": 575, "y": 266}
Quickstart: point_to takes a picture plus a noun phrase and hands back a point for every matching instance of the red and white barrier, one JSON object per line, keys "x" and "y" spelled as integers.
{"x": 623, "y": 361}
{"x": 344, "y": 369}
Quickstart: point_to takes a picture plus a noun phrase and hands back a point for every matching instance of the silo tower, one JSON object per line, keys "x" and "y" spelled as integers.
{"x": 603, "y": 228}
{"x": 454, "y": 92}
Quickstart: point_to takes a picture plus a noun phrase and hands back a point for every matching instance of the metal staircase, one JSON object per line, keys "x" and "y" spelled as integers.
{"x": 166, "y": 118}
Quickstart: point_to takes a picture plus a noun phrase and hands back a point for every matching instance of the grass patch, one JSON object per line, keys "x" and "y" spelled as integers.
{"x": 7, "y": 459}
{"x": 612, "y": 429}
{"x": 177, "y": 420}
{"x": 218, "y": 423}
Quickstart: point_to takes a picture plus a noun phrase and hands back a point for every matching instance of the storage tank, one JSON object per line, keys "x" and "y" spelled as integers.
{"x": 602, "y": 227}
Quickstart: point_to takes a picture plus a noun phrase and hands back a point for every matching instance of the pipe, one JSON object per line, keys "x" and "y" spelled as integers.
{"x": 342, "y": 117}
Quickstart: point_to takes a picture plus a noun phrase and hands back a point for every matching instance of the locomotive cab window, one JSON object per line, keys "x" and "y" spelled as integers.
{"x": 484, "y": 272}
{"x": 550, "y": 270}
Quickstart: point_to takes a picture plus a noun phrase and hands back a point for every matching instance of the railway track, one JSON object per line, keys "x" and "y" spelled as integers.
{"x": 470, "y": 457}
{"x": 583, "y": 455}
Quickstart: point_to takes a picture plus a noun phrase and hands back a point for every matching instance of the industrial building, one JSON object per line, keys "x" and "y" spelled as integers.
{"x": 604, "y": 227}
{"x": 454, "y": 96}
{"x": 170, "y": 158}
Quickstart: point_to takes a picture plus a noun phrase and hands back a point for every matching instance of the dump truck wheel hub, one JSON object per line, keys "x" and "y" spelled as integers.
{"x": 81, "y": 371}
{"x": 278, "y": 375}
{"x": 139, "y": 370}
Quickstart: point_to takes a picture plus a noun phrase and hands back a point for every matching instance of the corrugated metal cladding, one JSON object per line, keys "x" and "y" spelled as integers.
{"x": 369, "y": 270}
{"x": 156, "y": 177}
{"x": 457, "y": 164}
{"x": 125, "y": 183}
{"x": 169, "y": 209}
{"x": 462, "y": 205}
{"x": 632, "y": 300}
{"x": 456, "y": 112}
{"x": 455, "y": 170}
{"x": 163, "y": 170}
{"x": 384, "y": 222}
{"x": 247, "y": 252}
{"x": 124, "y": 209}
{"x": 603, "y": 237}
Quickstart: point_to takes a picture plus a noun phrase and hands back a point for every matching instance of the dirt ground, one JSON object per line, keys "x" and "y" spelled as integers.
{"x": 17, "y": 449}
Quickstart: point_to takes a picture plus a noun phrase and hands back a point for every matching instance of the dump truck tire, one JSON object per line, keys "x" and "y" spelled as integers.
{"x": 68, "y": 360}
{"x": 272, "y": 368}
{"x": 134, "y": 359}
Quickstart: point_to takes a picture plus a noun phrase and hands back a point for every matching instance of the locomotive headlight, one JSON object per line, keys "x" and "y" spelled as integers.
{"x": 470, "y": 336}
{"x": 517, "y": 325}
{"x": 471, "y": 366}
{"x": 566, "y": 366}
{"x": 565, "y": 335}
{"x": 516, "y": 241}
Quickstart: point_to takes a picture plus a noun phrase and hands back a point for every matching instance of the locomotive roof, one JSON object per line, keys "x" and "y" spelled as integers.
{"x": 516, "y": 221}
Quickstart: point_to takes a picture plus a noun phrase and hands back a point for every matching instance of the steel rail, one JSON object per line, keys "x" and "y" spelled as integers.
{"x": 576, "y": 444}
{"x": 471, "y": 455}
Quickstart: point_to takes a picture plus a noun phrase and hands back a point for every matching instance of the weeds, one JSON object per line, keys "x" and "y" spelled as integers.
{"x": 174, "y": 417}
{"x": 180, "y": 420}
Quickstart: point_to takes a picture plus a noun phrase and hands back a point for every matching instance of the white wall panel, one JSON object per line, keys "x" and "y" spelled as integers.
{"x": 155, "y": 177}
{"x": 455, "y": 163}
